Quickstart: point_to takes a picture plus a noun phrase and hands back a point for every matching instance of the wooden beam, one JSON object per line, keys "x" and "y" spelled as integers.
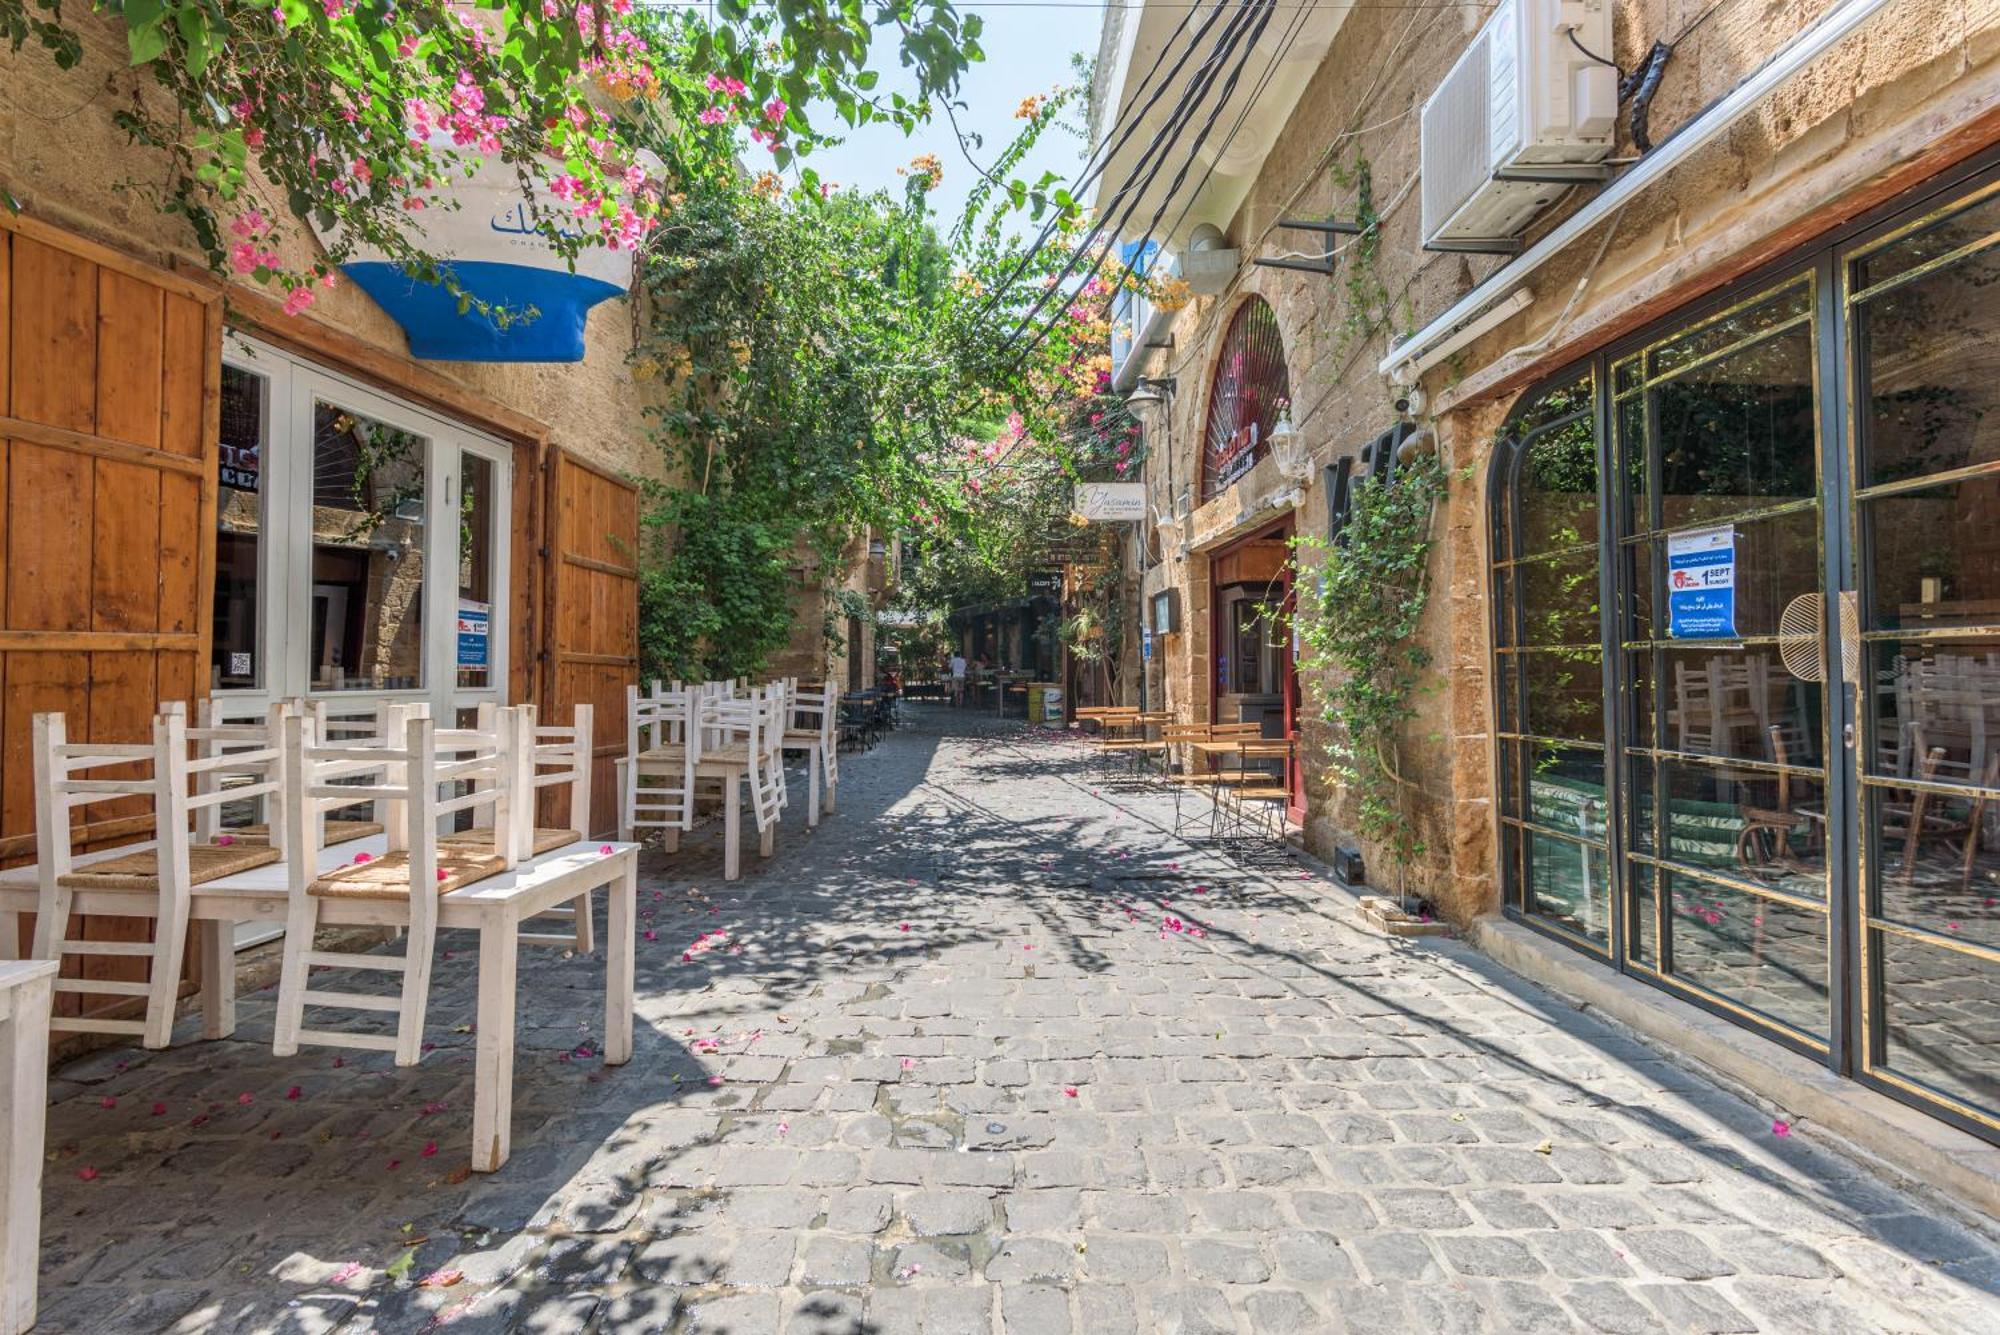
{"x": 98, "y": 642}
{"x": 204, "y": 287}
{"x": 259, "y": 315}
{"x": 602, "y": 567}
{"x": 98, "y": 447}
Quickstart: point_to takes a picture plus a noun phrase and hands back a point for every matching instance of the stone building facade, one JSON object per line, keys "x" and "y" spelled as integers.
{"x": 1801, "y": 167}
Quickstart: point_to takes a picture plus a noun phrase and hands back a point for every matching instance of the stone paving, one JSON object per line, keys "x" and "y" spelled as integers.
{"x": 947, "y": 1072}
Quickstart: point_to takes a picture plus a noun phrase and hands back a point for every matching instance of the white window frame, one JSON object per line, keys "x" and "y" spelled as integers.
{"x": 284, "y": 642}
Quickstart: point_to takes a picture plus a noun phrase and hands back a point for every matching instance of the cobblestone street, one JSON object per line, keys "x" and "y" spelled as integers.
{"x": 948, "y": 1071}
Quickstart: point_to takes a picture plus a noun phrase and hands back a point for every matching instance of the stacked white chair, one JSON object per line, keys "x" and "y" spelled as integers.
{"x": 154, "y": 883}
{"x": 663, "y": 744}
{"x": 814, "y": 728}
{"x": 402, "y": 774}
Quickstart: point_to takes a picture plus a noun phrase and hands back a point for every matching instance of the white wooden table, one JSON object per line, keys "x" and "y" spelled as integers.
{"x": 26, "y": 991}
{"x": 494, "y": 907}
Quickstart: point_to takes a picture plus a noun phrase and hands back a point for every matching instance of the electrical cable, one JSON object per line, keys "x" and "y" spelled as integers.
{"x": 1180, "y": 177}
{"x": 1087, "y": 173}
{"x": 1197, "y": 92}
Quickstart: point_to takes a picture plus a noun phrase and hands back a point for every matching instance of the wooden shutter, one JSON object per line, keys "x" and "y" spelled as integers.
{"x": 109, "y": 389}
{"x": 590, "y": 621}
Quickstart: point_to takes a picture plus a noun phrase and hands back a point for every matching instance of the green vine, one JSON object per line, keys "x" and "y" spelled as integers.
{"x": 1368, "y": 302}
{"x": 1359, "y": 609}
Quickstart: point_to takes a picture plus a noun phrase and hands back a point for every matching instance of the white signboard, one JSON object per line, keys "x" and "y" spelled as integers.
{"x": 1110, "y": 502}
{"x": 1701, "y": 584}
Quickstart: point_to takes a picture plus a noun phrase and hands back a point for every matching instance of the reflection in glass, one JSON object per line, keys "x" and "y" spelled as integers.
{"x": 1759, "y": 953}
{"x": 1739, "y": 433}
{"x": 1643, "y": 939}
{"x": 1559, "y": 599}
{"x": 1558, "y": 488}
{"x": 1757, "y": 825}
{"x": 1566, "y": 789}
{"x": 1929, "y": 398}
{"x": 1566, "y": 885}
{"x": 1937, "y": 856}
{"x": 1975, "y": 221}
{"x": 368, "y": 553}
{"x": 477, "y": 506}
{"x": 1788, "y": 303}
{"x": 1934, "y": 555}
{"x": 1777, "y": 561}
{"x": 1742, "y": 704}
{"x": 236, "y": 660}
{"x": 1937, "y": 1018}
{"x": 1936, "y": 710}
{"x": 1565, "y": 693}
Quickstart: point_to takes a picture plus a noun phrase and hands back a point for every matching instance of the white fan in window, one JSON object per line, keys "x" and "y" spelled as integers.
{"x": 1801, "y": 630}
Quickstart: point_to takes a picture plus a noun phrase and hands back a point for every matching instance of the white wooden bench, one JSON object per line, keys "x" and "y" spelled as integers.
{"x": 26, "y": 990}
{"x": 494, "y": 907}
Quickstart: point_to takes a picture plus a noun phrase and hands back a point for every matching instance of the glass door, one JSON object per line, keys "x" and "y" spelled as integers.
{"x": 1727, "y": 839}
{"x": 1924, "y": 409}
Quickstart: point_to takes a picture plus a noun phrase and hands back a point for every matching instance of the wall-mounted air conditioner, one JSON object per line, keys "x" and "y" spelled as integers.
{"x": 1525, "y": 112}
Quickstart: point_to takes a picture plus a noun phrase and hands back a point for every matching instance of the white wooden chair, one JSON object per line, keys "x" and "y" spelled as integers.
{"x": 406, "y": 881}
{"x": 547, "y": 758}
{"x": 345, "y": 722}
{"x": 749, "y": 756}
{"x": 159, "y": 879}
{"x": 813, "y": 726}
{"x": 663, "y": 743}
{"x": 24, "y": 1113}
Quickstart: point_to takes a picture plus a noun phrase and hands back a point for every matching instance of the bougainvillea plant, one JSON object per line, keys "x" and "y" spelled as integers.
{"x": 359, "y": 115}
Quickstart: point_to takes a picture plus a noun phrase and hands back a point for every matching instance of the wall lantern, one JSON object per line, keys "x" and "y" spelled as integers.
{"x": 486, "y": 236}
{"x": 1288, "y": 449}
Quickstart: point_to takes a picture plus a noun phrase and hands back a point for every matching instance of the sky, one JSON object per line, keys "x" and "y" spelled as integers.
{"x": 1028, "y": 50}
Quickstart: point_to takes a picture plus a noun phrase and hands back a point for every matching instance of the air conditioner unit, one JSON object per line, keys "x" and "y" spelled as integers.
{"x": 1523, "y": 114}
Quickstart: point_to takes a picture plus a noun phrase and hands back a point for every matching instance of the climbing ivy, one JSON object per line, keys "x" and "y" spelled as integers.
{"x": 1359, "y": 608}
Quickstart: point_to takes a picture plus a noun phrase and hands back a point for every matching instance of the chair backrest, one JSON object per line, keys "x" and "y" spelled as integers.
{"x": 60, "y": 789}
{"x": 402, "y": 774}
{"x": 817, "y": 709}
{"x": 229, "y": 757}
{"x": 552, "y": 756}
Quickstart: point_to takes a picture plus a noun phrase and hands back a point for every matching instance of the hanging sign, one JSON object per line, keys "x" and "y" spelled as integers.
{"x": 1146, "y": 643}
{"x": 1701, "y": 584}
{"x": 475, "y": 621}
{"x": 1111, "y": 502}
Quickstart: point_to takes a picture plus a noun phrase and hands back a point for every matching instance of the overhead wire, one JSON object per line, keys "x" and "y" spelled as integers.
{"x": 1134, "y": 188}
{"x": 1108, "y": 146}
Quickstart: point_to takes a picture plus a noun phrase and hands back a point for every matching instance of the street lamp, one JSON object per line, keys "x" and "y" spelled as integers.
{"x": 1288, "y": 448}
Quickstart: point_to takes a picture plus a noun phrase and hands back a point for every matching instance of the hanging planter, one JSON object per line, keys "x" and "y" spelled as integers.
{"x": 498, "y": 257}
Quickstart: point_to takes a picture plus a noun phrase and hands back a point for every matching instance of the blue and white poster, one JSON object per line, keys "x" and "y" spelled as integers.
{"x": 1701, "y": 584}
{"x": 475, "y": 620}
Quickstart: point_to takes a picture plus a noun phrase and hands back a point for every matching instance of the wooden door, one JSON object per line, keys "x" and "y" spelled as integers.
{"x": 590, "y": 623}
{"x": 109, "y": 390}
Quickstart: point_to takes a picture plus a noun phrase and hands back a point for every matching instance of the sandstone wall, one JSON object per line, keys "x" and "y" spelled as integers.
{"x": 1915, "y": 87}
{"x": 65, "y": 160}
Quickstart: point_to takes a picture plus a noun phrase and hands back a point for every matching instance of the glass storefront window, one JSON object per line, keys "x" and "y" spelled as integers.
{"x": 236, "y": 661}
{"x": 477, "y": 514}
{"x": 368, "y": 553}
{"x": 1812, "y": 737}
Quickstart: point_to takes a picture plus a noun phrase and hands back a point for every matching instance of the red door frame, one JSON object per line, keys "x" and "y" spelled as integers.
{"x": 1288, "y": 689}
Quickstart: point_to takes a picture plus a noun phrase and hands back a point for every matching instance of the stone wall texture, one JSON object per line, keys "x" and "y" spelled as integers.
{"x": 1915, "y": 88}
{"x": 65, "y": 160}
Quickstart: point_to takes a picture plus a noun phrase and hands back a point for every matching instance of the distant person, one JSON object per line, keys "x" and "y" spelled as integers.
{"x": 958, "y": 679}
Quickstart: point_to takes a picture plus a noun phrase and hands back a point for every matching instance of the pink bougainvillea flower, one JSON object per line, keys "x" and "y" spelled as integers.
{"x": 909, "y": 1063}
{"x": 902, "y": 927}
{"x": 441, "y": 1279}
{"x": 784, "y": 1128}
{"x": 1951, "y": 927}
{"x": 107, "y": 1102}
{"x": 198, "y": 1119}
{"x": 346, "y": 1273}
{"x": 443, "y": 874}
{"x": 774, "y": 111}
{"x": 360, "y": 858}
{"x": 298, "y": 299}
{"x": 430, "y": 1149}
{"x": 294, "y": 1093}
{"x": 1781, "y": 1128}
{"x": 159, "y": 1110}
{"x": 1069, "y": 1091}
{"x": 394, "y": 1164}
{"x": 715, "y": 1080}
{"x": 652, "y": 935}
{"x": 604, "y": 850}
{"x": 87, "y": 1174}
{"x": 224, "y": 840}
{"x": 246, "y": 1098}
{"x": 1201, "y": 889}
{"x": 1028, "y": 945}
